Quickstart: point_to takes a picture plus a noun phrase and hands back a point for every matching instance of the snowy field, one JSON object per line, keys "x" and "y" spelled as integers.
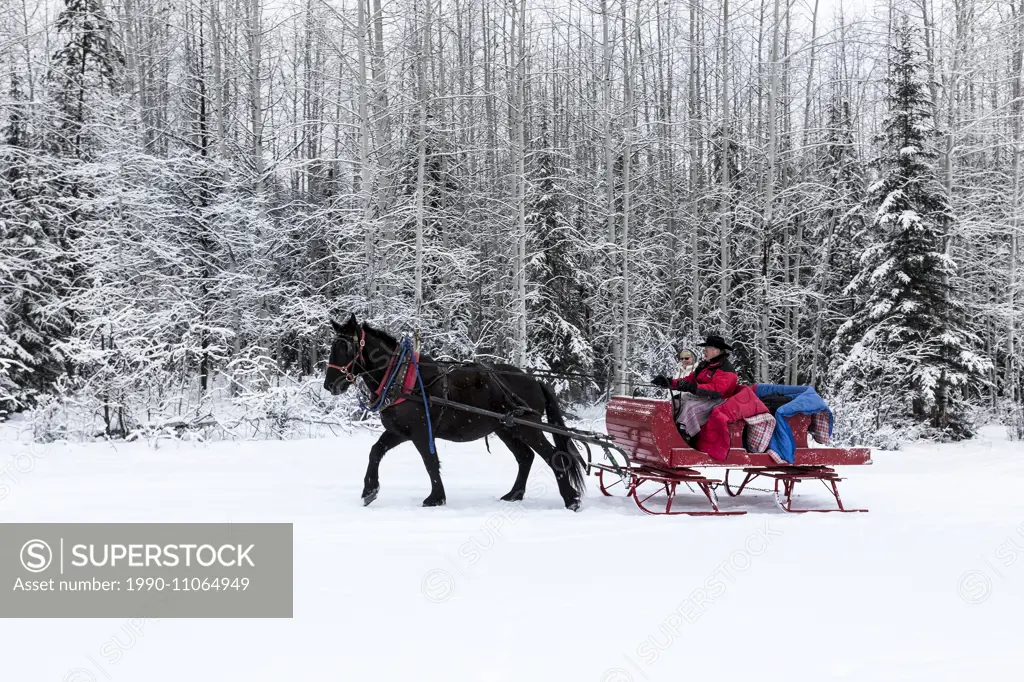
{"x": 927, "y": 586}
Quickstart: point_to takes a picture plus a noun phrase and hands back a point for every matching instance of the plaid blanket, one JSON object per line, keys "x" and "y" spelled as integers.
{"x": 820, "y": 427}
{"x": 694, "y": 411}
{"x": 760, "y": 428}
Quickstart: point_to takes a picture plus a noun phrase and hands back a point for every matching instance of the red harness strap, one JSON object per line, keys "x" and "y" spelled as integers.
{"x": 409, "y": 382}
{"x": 387, "y": 372}
{"x": 347, "y": 369}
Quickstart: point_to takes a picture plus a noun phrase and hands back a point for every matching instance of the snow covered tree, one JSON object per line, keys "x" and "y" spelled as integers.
{"x": 442, "y": 258}
{"x": 556, "y": 298}
{"x": 34, "y": 268}
{"x": 837, "y": 234}
{"x": 905, "y": 351}
{"x": 88, "y": 63}
{"x": 187, "y": 216}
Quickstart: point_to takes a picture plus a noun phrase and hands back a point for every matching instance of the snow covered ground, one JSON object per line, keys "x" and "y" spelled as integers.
{"x": 927, "y": 586}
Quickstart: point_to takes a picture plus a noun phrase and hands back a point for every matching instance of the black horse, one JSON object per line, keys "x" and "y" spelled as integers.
{"x": 360, "y": 351}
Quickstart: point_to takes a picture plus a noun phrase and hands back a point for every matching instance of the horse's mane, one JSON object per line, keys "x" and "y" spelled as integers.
{"x": 390, "y": 340}
{"x": 381, "y": 334}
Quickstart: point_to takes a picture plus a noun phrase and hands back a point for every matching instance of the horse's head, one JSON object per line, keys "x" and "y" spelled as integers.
{"x": 346, "y": 356}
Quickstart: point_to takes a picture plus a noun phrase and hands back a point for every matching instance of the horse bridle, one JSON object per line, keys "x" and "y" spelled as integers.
{"x": 347, "y": 369}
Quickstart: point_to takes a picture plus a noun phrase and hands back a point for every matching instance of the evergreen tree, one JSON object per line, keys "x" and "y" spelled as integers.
{"x": 555, "y": 305}
{"x": 33, "y": 269}
{"x": 837, "y": 234}
{"x": 44, "y": 203}
{"x": 904, "y": 349}
{"x": 88, "y": 63}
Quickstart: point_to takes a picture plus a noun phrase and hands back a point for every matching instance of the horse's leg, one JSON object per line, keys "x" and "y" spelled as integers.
{"x": 371, "y": 484}
{"x": 524, "y": 456}
{"x": 559, "y": 463}
{"x": 433, "y": 465}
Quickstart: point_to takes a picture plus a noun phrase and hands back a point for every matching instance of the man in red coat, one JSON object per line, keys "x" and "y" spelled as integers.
{"x": 715, "y": 377}
{"x": 708, "y": 385}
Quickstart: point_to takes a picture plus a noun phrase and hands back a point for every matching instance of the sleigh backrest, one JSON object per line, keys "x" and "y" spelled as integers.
{"x": 799, "y": 424}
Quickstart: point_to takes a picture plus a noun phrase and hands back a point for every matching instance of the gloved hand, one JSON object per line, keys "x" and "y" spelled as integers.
{"x": 688, "y": 386}
{"x": 661, "y": 381}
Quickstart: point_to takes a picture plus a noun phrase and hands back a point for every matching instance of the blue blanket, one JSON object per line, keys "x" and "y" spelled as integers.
{"x": 805, "y": 400}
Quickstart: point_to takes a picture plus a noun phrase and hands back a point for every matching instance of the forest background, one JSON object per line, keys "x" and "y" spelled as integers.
{"x": 190, "y": 189}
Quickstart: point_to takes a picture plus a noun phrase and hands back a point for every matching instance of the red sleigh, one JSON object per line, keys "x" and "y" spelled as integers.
{"x": 644, "y": 430}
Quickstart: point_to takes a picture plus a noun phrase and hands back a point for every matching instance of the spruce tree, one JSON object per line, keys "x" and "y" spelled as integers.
{"x": 837, "y": 233}
{"x": 87, "y": 64}
{"x": 33, "y": 269}
{"x": 45, "y": 203}
{"x": 905, "y": 350}
{"x": 555, "y": 304}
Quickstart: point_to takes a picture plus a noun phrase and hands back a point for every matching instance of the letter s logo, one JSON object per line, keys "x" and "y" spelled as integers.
{"x": 36, "y": 556}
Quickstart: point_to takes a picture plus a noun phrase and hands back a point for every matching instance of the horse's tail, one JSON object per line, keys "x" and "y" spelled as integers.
{"x": 568, "y": 456}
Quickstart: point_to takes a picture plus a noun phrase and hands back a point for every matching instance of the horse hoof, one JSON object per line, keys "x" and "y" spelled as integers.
{"x": 433, "y": 502}
{"x": 573, "y": 506}
{"x": 370, "y": 496}
{"x": 513, "y": 496}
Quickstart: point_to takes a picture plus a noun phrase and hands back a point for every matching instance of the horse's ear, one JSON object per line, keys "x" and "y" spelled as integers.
{"x": 338, "y": 327}
{"x": 352, "y": 323}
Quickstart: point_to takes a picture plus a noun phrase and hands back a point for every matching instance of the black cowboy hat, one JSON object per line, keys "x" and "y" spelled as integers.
{"x": 717, "y": 342}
